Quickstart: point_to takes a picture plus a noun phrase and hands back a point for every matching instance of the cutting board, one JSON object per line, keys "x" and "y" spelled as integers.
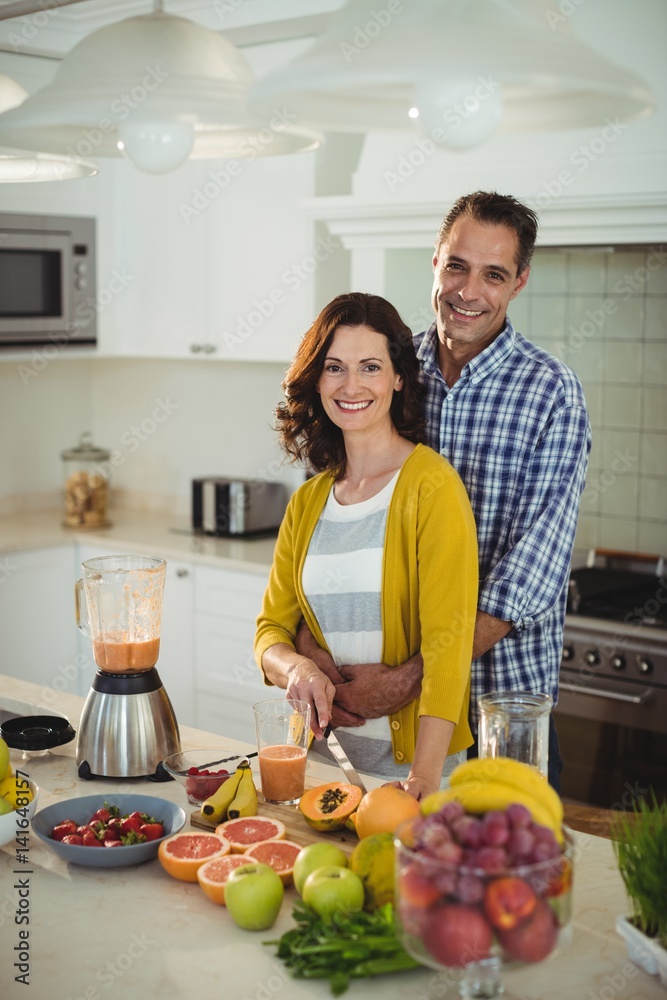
{"x": 295, "y": 826}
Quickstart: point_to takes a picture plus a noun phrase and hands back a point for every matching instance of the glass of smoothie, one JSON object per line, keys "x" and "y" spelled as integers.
{"x": 283, "y": 730}
{"x": 122, "y": 611}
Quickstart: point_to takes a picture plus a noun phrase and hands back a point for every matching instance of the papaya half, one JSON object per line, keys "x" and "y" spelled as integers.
{"x": 328, "y": 807}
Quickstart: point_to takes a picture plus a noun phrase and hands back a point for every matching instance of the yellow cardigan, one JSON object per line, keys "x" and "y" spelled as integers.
{"x": 429, "y": 589}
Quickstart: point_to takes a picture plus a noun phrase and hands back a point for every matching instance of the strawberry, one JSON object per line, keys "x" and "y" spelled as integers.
{"x": 112, "y": 843}
{"x": 61, "y": 830}
{"x": 72, "y": 838}
{"x": 101, "y": 816}
{"x": 131, "y": 823}
{"x": 90, "y": 839}
{"x": 152, "y": 831}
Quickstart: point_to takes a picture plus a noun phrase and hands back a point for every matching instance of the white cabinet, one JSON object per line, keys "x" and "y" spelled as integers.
{"x": 228, "y": 681}
{"x": 37, "y": 619}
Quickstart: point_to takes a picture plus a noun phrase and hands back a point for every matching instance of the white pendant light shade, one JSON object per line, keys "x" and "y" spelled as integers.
{"x": 157, "y": 88}
{"x": 493, "y": 61}
{"x": 20, "y": 166}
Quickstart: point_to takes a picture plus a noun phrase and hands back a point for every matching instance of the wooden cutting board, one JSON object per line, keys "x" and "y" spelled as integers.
{"x": 295, "y": 826}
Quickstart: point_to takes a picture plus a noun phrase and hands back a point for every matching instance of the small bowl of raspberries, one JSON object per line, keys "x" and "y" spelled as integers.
{"x": 202, "y": 771}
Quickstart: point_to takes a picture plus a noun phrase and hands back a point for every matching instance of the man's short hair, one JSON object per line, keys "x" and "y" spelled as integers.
{"x": 495, "y": 209}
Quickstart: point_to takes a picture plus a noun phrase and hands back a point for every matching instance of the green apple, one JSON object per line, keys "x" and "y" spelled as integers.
{"x": 316, "y": 856}
{"x": 332, "y": 889}
{"x": 253, "y": 895}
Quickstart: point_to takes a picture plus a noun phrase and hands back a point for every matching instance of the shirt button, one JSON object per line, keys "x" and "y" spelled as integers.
{"x": 395, "y": 724}
{"x": 399, "y": 755}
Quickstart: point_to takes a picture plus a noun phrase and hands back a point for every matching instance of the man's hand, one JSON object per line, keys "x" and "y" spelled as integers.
{"x": 375, "y": 690}
{"x": 306, "y": 646}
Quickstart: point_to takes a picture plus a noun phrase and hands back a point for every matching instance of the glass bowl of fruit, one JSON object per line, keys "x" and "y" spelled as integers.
{"x": 479, "y": 892}
{"x": 202, "y": 771}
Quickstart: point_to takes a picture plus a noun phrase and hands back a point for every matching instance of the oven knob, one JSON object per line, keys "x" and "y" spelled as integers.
{"x": 567, "y": 654}
{"x": 644, "y": 665}
{"x": 592, "y": 657}
{"x": 618, "y": 662}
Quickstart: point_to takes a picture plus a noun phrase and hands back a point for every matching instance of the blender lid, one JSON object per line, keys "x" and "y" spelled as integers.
{"x": 86, "y": 451}
{"x": 36, "y": 732}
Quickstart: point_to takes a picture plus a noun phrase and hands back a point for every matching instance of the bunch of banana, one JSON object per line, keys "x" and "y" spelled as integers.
{"x": 236, "y": 797}
{"x": 485, "y": 783}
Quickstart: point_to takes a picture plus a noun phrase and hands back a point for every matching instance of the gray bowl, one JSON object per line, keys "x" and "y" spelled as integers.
{"x": 81, "y": 809}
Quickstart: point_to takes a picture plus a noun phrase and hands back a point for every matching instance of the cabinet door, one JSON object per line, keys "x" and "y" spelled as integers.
{"x": 176, "y": 662}
{"x": 37, "y": 619}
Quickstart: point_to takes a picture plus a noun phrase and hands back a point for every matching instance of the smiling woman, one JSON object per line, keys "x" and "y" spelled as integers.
{"x": 378, "y": 552}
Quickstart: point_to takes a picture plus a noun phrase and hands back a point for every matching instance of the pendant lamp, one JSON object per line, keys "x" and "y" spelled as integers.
{"x": 158, "y": 89}
{"x": 21, "y": 166}
{"x": 457, "y": 70}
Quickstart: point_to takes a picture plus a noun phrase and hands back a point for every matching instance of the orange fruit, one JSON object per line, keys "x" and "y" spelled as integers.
{"x": 213, "y": 874}
{"x": 280, "y": 854}
{"x": 383, "y": 809}
{"x": 246, "y": 831}
{"x": 184, "y": 853}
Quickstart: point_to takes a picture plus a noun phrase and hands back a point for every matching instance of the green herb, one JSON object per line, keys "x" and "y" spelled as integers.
{"x": 640, "y": 845}
{"x": 343, "y": 947}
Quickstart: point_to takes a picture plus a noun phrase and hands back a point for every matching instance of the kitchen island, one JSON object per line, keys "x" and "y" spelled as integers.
{"x": 137, "y": 933}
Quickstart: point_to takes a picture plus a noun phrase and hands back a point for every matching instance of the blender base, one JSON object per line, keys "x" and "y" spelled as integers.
{"x": 127, "y": 727}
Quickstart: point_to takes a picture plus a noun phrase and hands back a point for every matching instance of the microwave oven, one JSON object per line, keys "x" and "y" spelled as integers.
{"x": 47, "y": 280}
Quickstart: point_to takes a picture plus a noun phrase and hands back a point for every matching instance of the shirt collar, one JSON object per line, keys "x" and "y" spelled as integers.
{"x": 478, "y": 367}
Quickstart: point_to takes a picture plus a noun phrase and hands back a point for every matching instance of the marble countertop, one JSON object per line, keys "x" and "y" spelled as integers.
{"x": 165, "y": 535}
{"x": 137, "y": 933}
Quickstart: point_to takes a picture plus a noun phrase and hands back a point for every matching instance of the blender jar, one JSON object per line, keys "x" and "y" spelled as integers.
{"x": 122, "y": 611}
{"x": 86, "y": 489}
{"x": 515, "y": 724}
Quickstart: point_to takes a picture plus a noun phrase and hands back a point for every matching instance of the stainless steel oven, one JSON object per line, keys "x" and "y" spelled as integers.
{"x": 611, "y": 715}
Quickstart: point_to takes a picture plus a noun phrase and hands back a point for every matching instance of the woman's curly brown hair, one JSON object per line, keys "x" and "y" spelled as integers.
{"x": 306, "y": 432}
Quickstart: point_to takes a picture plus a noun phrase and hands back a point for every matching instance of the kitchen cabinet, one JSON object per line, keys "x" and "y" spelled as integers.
{"x": 39, "y": 634}
{"x": 228, "y": 680}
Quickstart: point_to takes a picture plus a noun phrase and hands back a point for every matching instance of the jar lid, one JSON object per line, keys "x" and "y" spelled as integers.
{"x": 86, "y": 451}
{"x": 37, "y": 732}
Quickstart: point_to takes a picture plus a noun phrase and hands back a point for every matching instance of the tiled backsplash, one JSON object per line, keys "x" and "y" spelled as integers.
{"x": 604, "y": 312}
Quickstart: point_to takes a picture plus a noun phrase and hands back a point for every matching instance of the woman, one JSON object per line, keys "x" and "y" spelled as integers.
{"x": 378, "y": 552}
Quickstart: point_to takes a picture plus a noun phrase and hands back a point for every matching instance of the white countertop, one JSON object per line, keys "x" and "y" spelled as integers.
{"x": 164, "y": 535}
{"x": 138, "y": 934}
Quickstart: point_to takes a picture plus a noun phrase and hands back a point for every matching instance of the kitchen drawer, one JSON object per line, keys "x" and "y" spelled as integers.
{"x": 224, "y": 660}
{"x": 231, "y": 593}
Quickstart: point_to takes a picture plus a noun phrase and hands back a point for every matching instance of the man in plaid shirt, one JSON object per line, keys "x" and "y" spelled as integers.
{"x": 512, "y": 421}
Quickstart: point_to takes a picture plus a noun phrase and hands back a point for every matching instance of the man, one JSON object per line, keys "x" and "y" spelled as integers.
{"x": 512, "y": 420}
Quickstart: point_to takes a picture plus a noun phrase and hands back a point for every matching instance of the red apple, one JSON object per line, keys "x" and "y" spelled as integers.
{"x": 508, "y": 901}
{"x": 535, "y": 938}
{"x": 456, "y": 935}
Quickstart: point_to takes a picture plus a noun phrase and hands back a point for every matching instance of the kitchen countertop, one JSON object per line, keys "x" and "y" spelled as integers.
{"x": 166, "y": 535}
{"x": 137, "y": 933}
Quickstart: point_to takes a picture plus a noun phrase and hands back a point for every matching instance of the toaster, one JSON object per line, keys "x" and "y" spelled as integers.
{"x": 237, "y": 507}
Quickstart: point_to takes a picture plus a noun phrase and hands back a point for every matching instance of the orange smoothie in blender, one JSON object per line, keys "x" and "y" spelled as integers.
{"x": 282, "y": 772}
{"x": 117, "y": 656}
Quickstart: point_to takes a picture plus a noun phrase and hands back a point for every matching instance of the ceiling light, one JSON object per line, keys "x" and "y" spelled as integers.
{"x": 158, "y": 89}
{"x": 454, "y": 69}
{"x": 20, "y": 166}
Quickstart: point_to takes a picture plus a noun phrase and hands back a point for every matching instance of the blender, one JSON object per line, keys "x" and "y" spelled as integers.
{"x": 128, "y": 724}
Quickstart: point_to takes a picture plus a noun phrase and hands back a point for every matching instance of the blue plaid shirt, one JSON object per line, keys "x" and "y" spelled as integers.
{"x": 516, "y": 429}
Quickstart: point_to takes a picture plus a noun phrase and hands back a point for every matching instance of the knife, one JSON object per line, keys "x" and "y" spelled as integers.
{"x": 342, "y": 759}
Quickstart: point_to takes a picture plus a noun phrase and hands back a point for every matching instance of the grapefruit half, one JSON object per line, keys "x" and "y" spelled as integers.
{"x": 246, "y": 831}
{"x": 184, "y": 853}
{"x": 213, "y": 875}
{"x": 280, "y": 854}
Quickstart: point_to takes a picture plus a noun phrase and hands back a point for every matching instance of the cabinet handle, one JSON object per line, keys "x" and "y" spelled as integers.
{"x": 209, "y": 348}
{"x": 195, "y": 348}
{"x": 180, "y": 573}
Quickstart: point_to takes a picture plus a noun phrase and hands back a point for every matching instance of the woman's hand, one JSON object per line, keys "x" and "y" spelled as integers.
{"x": 416, "y": 786}
{"x": 306, "y": 682}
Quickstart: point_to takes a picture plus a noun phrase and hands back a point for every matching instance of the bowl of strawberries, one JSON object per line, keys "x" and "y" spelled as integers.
{"x": 108, "y": 831}
{"x": 202, "y": 771}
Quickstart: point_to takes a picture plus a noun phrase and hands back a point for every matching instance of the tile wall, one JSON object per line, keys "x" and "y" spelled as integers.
{"x": 603, "y": 311}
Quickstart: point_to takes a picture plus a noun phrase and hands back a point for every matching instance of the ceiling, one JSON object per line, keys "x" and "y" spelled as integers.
{"x": 53, "y": 31}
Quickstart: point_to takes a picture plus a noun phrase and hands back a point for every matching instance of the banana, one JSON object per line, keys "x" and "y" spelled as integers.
{"x": 482, "y": 796}
{"x": 214, "y": 809}
{"x": 245, "y": 801}
{"x": 511, "y": 772}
